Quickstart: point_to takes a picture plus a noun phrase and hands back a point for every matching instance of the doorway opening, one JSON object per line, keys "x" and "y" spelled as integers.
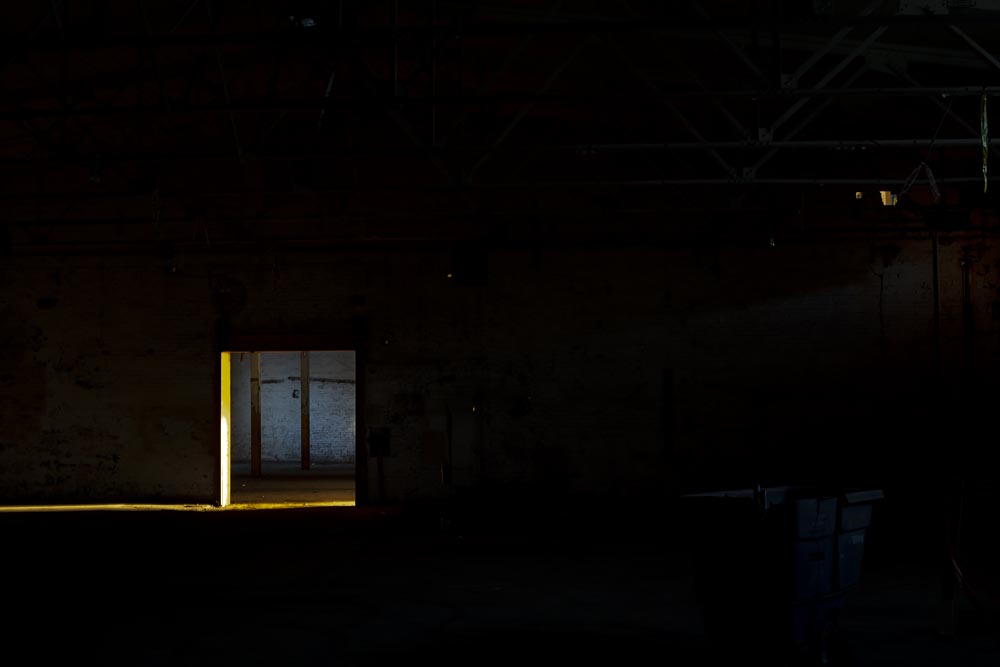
{"x": 288, "y": 428}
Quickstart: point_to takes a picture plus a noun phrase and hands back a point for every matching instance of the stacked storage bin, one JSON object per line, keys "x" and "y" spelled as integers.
{"x": 829, "y": 549}
{"x": 774, "y": 565}
{"x": 815, "y": 598}
{"x": 853, "y": 521}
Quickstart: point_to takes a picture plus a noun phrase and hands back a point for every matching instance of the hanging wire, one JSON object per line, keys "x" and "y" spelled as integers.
{"x": 984, "y": 134}
{"x": 947, "y": 112}
{"x": 923, "y": 166}
{"x": 908, "y": 183}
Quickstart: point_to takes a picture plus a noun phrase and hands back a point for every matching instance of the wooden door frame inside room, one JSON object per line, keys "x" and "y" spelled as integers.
{"x": 257, "y": 343}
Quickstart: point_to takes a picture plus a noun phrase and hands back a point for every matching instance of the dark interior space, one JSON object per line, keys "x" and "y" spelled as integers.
{"x": 666, "y": 330}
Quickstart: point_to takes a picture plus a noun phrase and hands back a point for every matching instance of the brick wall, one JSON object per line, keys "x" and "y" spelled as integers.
{"x": 618, "y": 370}
{"x": 106, "y": 381}
{"x": 331, "y": 406}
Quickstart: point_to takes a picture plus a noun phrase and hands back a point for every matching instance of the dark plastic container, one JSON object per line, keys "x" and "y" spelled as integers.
{"x": 813, "y": 567}
{"x": 815, "y": 517}
{"x": 773, "y": 564}
{"x": 812, "y": 620}
{"x": 855, "y": 517}
{"x": 850, "y": 553}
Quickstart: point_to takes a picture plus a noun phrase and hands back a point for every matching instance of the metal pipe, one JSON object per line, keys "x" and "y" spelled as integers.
{"x": 261, "y": 249}
{"x": 802, "y": 144}
{"x": 434, "y": 59}
{"x": 319, "y": 35}
{"x": 736, "y": 50}
{"x": 655, "y": 92}
{"x": 833, "y": 41}
{"x": 845, "y": 61}
{"x": 259, "y": 106}
{"x": 25, "y": 96}
{"x": 395, "y": 49}
{"x": 525, "y": 110}
{"x": 987, "y": 56}
{"x": 804, "y": 123}
{"x": 936, "y": 295}
{"x": 405, "y": 151}
{"x": 723, "y": 181}
{"x": 523, "y": 185}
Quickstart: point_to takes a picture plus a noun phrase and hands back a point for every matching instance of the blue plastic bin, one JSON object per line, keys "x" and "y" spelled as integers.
{"x": 773, "y": 564}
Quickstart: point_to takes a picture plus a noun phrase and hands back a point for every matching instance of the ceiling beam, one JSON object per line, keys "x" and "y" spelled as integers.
{"x": 324, "y": 35}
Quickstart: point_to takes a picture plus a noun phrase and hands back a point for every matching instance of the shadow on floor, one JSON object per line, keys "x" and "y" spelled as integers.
{"x": 372, "y": 586}
{"x": 286, "y": 482}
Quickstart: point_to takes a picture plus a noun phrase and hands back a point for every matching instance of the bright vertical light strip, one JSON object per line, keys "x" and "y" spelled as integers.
{"x": 226, "y": 436}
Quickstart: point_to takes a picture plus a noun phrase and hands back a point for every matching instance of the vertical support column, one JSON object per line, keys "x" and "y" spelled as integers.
{"x": 226, "y": 436}
{"x": 255, "y": 414}
{"x": 360, "y": 411}
{"x": 304, "y": 401}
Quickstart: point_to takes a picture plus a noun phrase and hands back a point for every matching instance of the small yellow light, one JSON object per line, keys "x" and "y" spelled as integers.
{"x": 857, "y": 195}
{"x": 888, "y": 198}
{"x": 449, "y": 275}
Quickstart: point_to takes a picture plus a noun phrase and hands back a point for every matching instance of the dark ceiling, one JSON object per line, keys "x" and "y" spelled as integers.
{"x": 147, "y": 119}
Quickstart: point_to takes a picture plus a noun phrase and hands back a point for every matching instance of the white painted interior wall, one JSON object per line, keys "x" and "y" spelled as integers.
{"x": 331, "y": 407}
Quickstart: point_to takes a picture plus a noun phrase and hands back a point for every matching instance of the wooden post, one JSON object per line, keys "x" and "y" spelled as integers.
{"x": 255, "y": 444}
{"x": 304, "y": 401}
{"x": 360, "y": 412}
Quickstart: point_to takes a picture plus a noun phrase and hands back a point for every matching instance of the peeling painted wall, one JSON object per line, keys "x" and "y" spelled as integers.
{"x": 107, "y": 381}
{"x": 629, "y": 371}
{"x": 331, "y": 407}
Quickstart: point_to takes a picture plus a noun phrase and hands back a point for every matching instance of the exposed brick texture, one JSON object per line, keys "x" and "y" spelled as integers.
{"x": 331, "y": 407}
{"x": 616, "y": 370}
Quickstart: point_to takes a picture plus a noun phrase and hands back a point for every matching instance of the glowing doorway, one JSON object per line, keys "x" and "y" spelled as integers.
{"x": 288, "y": 429}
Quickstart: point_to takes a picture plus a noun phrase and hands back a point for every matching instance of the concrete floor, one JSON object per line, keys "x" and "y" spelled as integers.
{"x": 369, "y": 586}
{"x": 283, "y": 482}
